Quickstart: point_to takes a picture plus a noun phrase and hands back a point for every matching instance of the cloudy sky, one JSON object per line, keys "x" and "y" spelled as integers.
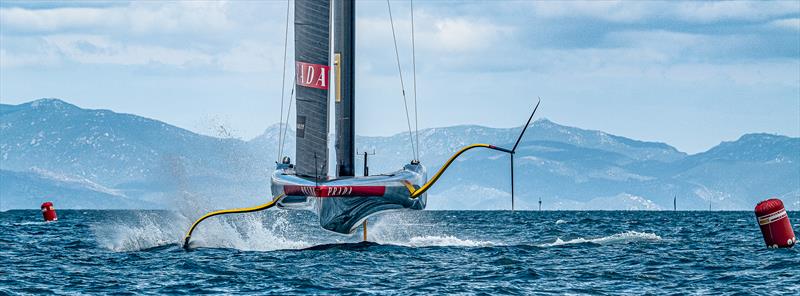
{"x": 691, "y": 74}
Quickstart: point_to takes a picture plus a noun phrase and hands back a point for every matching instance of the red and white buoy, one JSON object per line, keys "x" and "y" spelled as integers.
{"x": 775, "y": 224}
{"x": 49, "y": 212}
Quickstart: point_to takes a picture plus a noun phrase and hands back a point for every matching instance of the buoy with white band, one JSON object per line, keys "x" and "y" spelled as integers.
{"x": 48, "y": 212}
{"x": 775, "y": 224}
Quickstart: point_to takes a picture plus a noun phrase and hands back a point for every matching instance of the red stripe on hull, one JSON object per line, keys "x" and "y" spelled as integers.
{"x": 334, "y": 191}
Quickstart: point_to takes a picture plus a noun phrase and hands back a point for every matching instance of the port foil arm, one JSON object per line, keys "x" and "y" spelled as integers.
{"x": 262, "y": 207}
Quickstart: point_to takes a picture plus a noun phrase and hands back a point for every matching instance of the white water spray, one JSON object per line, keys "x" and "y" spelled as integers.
{"x": 407, "y": 230}
{"x": 619, "y": 238}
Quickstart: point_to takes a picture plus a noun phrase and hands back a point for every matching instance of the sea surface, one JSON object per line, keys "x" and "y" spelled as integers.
{"x": 424, "y": 252}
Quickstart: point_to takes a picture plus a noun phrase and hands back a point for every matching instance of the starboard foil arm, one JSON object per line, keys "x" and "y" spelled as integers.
{"x": 422, "y": 189}
{"x": 419, "y": 191}
{"x": 262, "y": 207}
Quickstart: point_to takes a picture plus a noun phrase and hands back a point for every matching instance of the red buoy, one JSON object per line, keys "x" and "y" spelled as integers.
{"x": 775, "y": 224}
{"x": 49, "y": 212}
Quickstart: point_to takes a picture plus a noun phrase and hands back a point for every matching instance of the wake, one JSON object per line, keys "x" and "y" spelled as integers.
{"x": 406, "y": 231}
{"x": 619, "y": 238}
{"x": 272, "y": 231}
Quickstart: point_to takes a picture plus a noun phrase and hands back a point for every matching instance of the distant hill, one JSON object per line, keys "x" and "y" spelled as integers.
{"x": 30, "y": 189}
{"x": 136, "y": 155}
{"x": 102, "y": 159}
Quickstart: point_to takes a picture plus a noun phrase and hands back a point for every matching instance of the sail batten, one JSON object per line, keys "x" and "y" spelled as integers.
{"x": 312, "y": 50}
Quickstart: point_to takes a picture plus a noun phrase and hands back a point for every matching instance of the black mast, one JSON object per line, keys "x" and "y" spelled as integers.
{"x": 344, "y": 67}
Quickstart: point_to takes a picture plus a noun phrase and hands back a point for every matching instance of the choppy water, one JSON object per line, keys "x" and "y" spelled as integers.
{"x": 428, "y": 252}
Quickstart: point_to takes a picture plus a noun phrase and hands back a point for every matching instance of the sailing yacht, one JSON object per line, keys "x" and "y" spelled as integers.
{"x": 342, "y": 202}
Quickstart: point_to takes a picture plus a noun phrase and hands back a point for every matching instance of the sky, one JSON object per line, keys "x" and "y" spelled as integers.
{"x": 691, "y": 74}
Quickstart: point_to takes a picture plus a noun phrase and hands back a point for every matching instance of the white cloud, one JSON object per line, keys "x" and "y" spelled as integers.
{"x": 9, "y": 60}
{"x": 666, "y": 42}
{"x": 705, "y": 12}
{"x": 786, "y": 24}
{"x": 678, "y": 46}
{"x": 618, "y": 11}
{"x": 47, "y": 20}
{"x": 247, "y": 56}
{"x": 140, "y": 17}
{"x": 695, "y": 12}
{"x": 751, "y": 74}
{"x": 206, "y": 17}
{"x": 252, "y": 57}
{"x": 174, "y": 33}
{"x": 458, "y": 34}
{"x": 93, "y": 49}
{"x": 452, "y": 35}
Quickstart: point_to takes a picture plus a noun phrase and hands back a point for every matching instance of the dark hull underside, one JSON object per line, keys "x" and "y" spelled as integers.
{"x": 342, "y": 204}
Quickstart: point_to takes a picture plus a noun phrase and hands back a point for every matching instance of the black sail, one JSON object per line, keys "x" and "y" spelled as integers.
{"x": 312, "y": 49}
{"x": 344, "y": 67}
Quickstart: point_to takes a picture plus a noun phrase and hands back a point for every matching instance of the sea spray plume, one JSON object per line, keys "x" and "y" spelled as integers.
{"x": 181, "y": 199}
{"x": 218, "y": 127}
{"x": 248, "y": 170}
{"x": 144, "y": 230}
{"x": 153, "y": 229}
{"x": 246, "y": 232}
{"x": 188, "y": 198}
{"x": 135, "y": 231}
{"x": 253, "y": 231}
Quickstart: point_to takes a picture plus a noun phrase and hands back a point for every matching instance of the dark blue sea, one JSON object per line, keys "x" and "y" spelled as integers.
{"x": 427, "y": 252}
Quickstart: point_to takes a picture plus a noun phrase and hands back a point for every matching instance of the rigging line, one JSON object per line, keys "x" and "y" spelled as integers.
{"x": 402, "y": 85}
{"x": 283, "y": 82}
{"x": 414, "y": 70}
{"x": 288, "y": 113}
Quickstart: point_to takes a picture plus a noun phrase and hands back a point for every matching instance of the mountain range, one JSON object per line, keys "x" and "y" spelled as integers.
{"x": 83, "y": 158}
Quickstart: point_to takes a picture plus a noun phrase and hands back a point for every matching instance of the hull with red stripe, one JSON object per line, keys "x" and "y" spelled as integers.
{"x": 342, "y": 204}
{"x": 334, "y": 191}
